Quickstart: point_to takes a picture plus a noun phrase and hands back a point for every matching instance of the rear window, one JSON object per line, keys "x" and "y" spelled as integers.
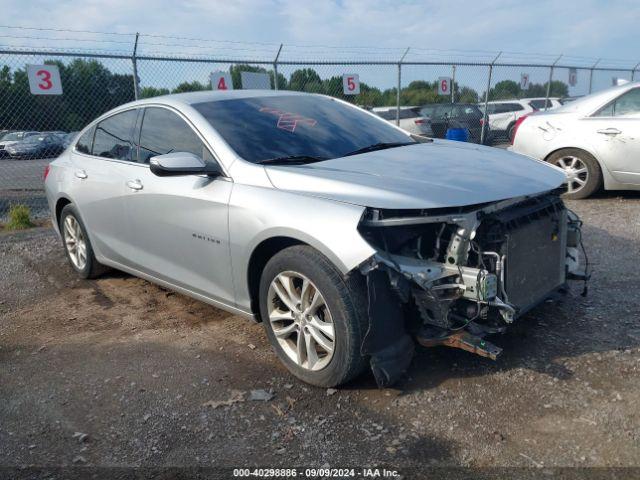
{"x": 262, "y": 128}
{"x": 85, "y": 142}
{"x": 451, "y": 110}
{"x": 539, "y": 104}
{"x": 113, "y": 138}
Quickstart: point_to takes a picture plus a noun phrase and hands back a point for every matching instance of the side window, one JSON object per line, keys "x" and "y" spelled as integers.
{"x": 85, "y": 142}
{"x": 626, "y": 104}
{"x": 163, "y": 131}
{"x": 113, "y": 137}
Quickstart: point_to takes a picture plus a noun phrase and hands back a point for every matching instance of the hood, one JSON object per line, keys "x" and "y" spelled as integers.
{"x": 426, "y": 175}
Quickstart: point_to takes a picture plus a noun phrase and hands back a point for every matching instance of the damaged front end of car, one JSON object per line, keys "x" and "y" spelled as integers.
{"x": 452, "y": 276}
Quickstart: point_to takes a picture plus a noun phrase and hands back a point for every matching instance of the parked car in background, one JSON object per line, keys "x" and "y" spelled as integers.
{"x": 444, "y": 116}
{"x": 36, "y": 146}
{"x": 595, "y": 140}
{"x": 566, "y": 100}
{"x": 503, "y": 114}
{"x": 12, "y": 138}
{"x": 410, "y": 119}
{"x": 68, "y": 138}
{"x": 350, "y": 240}
{"x": 542, "y": 103}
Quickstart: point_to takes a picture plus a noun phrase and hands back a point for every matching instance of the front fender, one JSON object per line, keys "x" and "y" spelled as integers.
{"x": 258, "y": 213}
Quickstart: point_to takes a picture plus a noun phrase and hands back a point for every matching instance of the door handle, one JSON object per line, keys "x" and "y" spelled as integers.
{"x": 134, "y": 184}
{"x": 609, "y": 131}
{"x": 81, "y": 174}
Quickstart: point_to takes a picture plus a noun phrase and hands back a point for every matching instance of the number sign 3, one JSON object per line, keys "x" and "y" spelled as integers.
{"x": 44, "y": 79}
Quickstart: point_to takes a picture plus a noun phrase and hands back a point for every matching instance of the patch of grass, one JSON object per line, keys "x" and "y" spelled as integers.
{"x": 19, "y": 218}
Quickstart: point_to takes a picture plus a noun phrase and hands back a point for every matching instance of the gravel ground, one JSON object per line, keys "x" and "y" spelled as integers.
{"x": 119, "y": 372}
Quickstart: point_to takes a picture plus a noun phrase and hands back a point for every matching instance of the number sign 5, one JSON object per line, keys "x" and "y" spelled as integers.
{"x": 351, "y": 84}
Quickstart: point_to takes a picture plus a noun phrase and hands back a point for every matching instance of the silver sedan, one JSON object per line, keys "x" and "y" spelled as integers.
{"x": 348, "y": 238}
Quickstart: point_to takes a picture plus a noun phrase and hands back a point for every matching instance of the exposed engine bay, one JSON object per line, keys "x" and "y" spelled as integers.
{"x": 456, "y": 275}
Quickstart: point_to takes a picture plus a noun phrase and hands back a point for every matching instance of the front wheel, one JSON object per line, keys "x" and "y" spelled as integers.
{"x": 584, "y": 176}
{"x": 314, "y": 317}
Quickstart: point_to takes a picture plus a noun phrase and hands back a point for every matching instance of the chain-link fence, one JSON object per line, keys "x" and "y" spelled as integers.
{"x": 93, "y": 83}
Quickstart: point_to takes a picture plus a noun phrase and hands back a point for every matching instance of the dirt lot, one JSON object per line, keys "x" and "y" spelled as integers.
{"x": 119, "y": 372}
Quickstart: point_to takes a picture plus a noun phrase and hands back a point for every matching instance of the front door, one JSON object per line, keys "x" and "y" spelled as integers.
{"x": 177, "y": 227}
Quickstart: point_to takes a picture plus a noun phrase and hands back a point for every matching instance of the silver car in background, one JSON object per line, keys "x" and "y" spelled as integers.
{"x": 594, "y": 139}
{"x": 346, "y": 237}
{"x": 410, "y": 119}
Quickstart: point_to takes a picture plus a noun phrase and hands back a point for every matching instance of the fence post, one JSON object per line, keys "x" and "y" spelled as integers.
{"x": 591, "y": 74}
{"x": 275, "y": 68}
{"x": 485, "y": 116}
{"x": 546, "y": 100}
{"x": 453, "y": 84}
{"x": 633, "y": 72}
{"x": 400, "y": 86}
{"x": 136, "y": 87}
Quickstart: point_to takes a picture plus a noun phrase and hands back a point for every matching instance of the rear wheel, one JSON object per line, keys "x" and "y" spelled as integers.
{"x": 77, "y": 245}
{"x": 314, "y": 317}
{"x": 584, "y": 176}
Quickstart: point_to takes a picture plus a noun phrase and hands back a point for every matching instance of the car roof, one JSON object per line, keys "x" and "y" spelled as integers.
{"x": 589, "y": 103}
{"x": 190, "y": 98}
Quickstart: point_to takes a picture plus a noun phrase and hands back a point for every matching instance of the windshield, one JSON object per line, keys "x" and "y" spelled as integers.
{"x": 264, "y": 128}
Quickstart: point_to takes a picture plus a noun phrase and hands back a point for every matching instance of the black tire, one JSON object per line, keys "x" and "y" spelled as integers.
{"x": 346, "y": 300}
{"x": 594, "y": 174}
{"x": 92, "y": 268}
{"x": 510, "y": 130}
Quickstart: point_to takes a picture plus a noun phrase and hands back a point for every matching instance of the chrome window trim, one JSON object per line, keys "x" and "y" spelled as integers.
{"x": 136, "y": 162}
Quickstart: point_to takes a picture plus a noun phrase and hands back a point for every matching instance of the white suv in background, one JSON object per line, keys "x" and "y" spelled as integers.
{"x": 503, "y": 114}
{"x": 410, "y": 119}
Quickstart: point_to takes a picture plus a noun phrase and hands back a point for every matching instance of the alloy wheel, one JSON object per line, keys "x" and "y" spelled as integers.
{"x": 301, "y": 321}
{"x": 576, "y": 171}
{"x": 75, "y": 242}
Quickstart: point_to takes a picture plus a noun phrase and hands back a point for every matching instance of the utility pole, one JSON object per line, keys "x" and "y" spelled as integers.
{"x": 275, "y": 68}
{"x": 400, "y": 85}
{"x": 136, "y": 87}
{"x": 485, "y": 116}
{"x": 546, "y": 100}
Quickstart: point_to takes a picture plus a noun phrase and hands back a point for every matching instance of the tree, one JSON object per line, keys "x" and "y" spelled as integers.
{"x": 194, "y": 86}
{"x": 89, "y": 89}
{"x": 508, "y": 89}
{"x": 505, "y": 90}
{"x": 148, "y": 92}
{"x": 306, "y": 80}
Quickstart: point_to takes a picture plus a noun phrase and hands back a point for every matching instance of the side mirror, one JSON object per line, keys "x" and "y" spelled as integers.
{"x": 181, "y": 163}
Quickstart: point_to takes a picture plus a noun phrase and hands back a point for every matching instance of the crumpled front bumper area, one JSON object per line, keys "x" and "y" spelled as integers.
{"x": 453, "y": 278}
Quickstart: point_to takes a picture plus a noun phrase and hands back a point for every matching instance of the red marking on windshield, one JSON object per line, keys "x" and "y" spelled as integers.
{"x": 289, "y": 121}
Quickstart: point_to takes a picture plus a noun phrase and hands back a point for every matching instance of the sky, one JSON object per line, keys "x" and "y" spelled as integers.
{"x": 537, "y": 29}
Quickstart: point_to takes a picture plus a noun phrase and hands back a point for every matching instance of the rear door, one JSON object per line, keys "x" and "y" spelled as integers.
{"x": 614, "y": 131}
{"x": 177, "y": 227}
{"x": 100, "y": 158}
